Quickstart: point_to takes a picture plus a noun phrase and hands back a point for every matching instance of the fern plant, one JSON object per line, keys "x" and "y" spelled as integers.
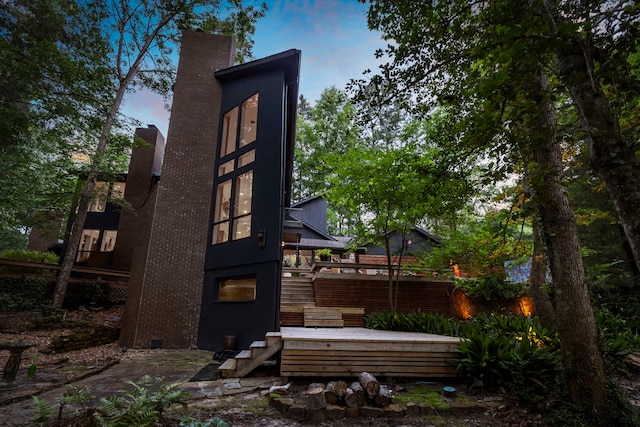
{"x": 44, "y": 411}
{"x": 140, "y": 406}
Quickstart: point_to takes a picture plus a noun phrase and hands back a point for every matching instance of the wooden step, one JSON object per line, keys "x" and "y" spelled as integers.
{"x": 248, "y": 360}
{"x": 327, "y": 317}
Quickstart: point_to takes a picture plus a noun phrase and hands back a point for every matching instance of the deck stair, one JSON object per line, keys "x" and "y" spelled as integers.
{"x": 248, "y": 360}
{"x": 297, "y": 291}
{"x": 323, "y": 317}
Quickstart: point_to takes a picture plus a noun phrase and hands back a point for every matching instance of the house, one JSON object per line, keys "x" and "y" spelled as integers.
{"x": 204, "y": 240}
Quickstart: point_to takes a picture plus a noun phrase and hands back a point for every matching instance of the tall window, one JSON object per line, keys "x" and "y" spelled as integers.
{"x": 234, "y": 177}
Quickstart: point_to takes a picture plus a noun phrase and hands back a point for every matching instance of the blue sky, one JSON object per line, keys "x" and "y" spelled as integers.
{"x": 332, "y": 35}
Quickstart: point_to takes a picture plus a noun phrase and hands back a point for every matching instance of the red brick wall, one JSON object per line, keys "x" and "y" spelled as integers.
{"x": 139, "y": 183}
{"x": 166, "y": 276}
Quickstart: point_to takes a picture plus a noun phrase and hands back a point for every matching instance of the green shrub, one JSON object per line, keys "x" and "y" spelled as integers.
{"x": 431, "y": 323}
{"x": 140, "y": 406}
{"x": 29, "y": 256}
{"x": 491, "y": 288}
{"x": 618, "y": 338}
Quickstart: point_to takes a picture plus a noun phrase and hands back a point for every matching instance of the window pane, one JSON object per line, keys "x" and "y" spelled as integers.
{"x": 88, "y": 243}
{"x": 100, "y": 192}
{"x": 246, "y": 158}
{"x": 225, "y": 168}
{"x": 229, "y": 131}
{"x": 244, "y": 192}
{"x": 223, "y": 201}
{"x": 242, "y": 227}
{"x": 117, "y": 192}
{"x": 237, "y": 289}
{"x": 220, "y": 233}
{"x": 249, "y": 120}
{"x": 108, "y": 240}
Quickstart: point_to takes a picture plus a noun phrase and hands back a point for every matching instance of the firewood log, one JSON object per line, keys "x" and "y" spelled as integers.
{"x": 334, "y": 391}
{"x": 354, "y": 396}
{"x": 383, "y": 397}
{"x": 369, "y": 383}
{"x": 329, "y": 395}
{"x": 315, "y": 396}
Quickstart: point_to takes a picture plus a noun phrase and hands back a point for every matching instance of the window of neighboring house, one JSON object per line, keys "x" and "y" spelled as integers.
{"x": 88, "y": 243}
{"x": 108, "y": 240}
{"x": 100, "y": 193}
{"x": 234, "y": 178}
{"x": 117, "y": 190}
{"x": 237, "y": 289}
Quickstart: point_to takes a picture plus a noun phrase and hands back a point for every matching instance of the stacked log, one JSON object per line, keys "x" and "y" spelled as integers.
{"x": 366, "y": 390}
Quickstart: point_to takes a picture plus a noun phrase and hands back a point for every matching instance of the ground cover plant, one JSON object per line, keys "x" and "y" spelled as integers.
{"x": 518, "y": 355}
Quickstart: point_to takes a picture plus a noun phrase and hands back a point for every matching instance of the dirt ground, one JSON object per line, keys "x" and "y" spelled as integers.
{"x": 250, "y": 409}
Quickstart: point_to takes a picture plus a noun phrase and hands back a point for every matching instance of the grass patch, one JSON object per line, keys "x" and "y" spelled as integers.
{"x": 423, "y": 394}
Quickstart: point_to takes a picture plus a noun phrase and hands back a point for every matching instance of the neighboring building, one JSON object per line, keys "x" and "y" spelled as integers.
{"x": 412, "y": 245}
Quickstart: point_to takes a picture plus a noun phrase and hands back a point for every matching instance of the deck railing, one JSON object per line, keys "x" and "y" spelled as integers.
{"x": 378, "y": 269}
{"x": 44, "y": 269}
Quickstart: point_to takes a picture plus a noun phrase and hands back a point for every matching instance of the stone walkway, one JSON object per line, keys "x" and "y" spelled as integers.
{"x": 174, "y": 365}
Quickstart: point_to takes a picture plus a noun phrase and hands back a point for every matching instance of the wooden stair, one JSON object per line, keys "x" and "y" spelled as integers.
{"x": 248, "y": 360}
{"x": 323, "y": 317}
{"x": 297, "y": 291}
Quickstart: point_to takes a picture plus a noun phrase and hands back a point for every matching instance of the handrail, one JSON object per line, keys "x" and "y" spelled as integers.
{"x": 57, "y": 267}
{"x": 319, "y": 265}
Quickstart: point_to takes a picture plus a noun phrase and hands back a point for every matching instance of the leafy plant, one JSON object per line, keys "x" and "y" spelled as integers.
{"x": 323, "y": 252}
{"x": 141, "y": 406}
{"x": 618, "y": 338}
{"x": 30, "y": 256}
{"x": 491, "y": 287}
{"x": 33, "y": 368}
{"x": 486, "y": 356}
{"x": 44, "y": 411}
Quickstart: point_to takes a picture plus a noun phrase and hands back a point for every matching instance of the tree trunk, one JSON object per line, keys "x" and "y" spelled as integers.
{"x": 575, "y": 319}
{"x": 125, "y": 77}
{"x": 611, "y": 157}
{"x": 85, "y": 200}
{"x": 538, "y": 278}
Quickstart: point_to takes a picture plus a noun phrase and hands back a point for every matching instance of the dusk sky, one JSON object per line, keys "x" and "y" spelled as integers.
{"x": 332, "y": 35}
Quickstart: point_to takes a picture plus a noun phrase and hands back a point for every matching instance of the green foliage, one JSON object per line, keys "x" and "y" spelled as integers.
{"x": 44, "y": 411}
{"x": 430, "y": 323}
{"x": 618, "y": 336}
{"x": 30, "y": 293}
{"x": 481, "y": 245}
{"x": 12, "y": 237}
{"x": 491, "y": 287}
{"x": 511, "y": 351}
{"x": 142, "y": 405}
{"x": 32, "y": 370}
{"x": 323, "y": 252}
{"x": 30, "y": 256}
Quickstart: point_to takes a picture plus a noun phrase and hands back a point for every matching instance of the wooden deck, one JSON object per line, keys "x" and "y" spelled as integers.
{"x": 342, "y": 352}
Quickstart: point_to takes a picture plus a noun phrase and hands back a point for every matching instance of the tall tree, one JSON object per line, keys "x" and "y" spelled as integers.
{"x": 477, "y": 57}
{"x": 141, "y": 37}
{"x": 595, "y": 41}
{"x": 391, "y": 190}
{"x": 51, "y": 81}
